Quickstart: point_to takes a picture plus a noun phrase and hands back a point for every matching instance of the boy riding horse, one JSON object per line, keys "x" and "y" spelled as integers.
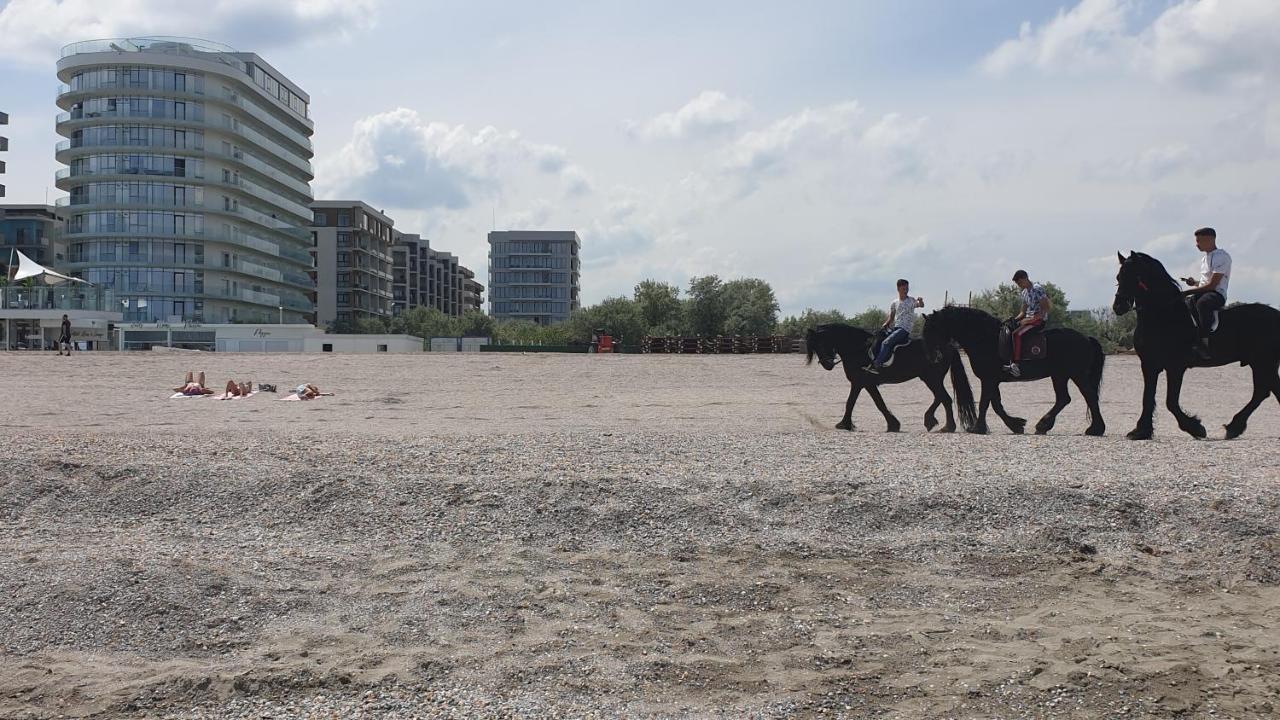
{"x": 1035, "y": 313}
{"x": 902, "y": 318}
{"x": 1208, "y": 294}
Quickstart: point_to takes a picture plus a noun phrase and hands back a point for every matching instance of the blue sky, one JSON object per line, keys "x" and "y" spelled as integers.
{"x": 828, "y": 147}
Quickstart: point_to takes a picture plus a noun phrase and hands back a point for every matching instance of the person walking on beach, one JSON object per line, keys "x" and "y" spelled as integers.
{"x": 1035, "y": 313}
{"x": 900, "y": 322}
{"x": 64, "y": 339}
{"x": 1208, "y": 294}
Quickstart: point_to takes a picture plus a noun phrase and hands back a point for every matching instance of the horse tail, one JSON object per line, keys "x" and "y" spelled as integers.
{"x": 964, "y": 392}
{"x": 1093, "y": 381}
{"x": 808, "y": 347}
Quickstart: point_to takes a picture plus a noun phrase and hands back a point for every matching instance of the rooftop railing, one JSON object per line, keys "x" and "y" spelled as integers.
{"x": 185, "y": 47}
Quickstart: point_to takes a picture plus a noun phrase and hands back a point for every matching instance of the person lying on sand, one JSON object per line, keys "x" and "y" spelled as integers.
{"x": 309, "y": 391}
{"x": 235, "y": 389}
{"x": 193, "y": 385}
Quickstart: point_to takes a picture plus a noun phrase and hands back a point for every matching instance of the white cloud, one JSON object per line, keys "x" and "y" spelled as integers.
{"x": 834, "y": 139}
{"x": 1082, "y": 36}
{"x": 1154, "y": 163}
{"x": 1208, "y": 44}
{"x": 400, "y": 159}
{"x": 708, "y": 113}
{"x": 1215, "y": 42}
{"x": 35, "y": 30}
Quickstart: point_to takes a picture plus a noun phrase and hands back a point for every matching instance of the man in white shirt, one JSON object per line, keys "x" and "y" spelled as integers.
{"x": 902, "y": 320}
{"x": 1208, "y": 294}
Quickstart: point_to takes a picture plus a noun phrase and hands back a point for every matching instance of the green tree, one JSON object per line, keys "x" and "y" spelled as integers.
{"x": 1004, "y": 301}
{"x": 523, "y": 332}
{"x": 750, "y": 307}
{"x": 474, "y": 323}
{"x": 704, "y": 309}
{"x": 618, "y": 316}
{"x": 871, "y": 319}
{"x": 660, "y": 307}
{"x": 793, "y": 326}
{"x": 425, "y": 323}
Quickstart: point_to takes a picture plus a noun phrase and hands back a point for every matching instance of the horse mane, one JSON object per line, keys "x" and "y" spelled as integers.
{"x": 1158, "y": 266}
{"x": 964, "y": 314}
{"x": 839, "y": 335}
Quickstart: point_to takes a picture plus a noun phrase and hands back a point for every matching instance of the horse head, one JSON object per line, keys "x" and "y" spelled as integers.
{"x": 818, "y": 341}
{"x": 1140, "y": 277}
{"x": 937, "y": 336}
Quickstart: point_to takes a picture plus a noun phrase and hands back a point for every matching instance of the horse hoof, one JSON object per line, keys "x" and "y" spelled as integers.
{"x": 930, "y": 423}
{"x": 977, "y": 431}
{"x": 1018, "y": 428}
{"x": 844, "y": 426}
{"x": 1198, "y": 432}
{"x": 893, "y": 428}
{"x": 1233, "y": 432}
{"x": 1042, "y": 431}
{"x": 1140, "y": 434}
{"x": 1095, "y": 431}
{"x": 948, "y": 429}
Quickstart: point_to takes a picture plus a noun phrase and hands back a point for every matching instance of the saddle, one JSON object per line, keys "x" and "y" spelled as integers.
{"x": 1195, "y": 316}
{"x": 874, "y": 349}
{"x": 1035, "y": 346}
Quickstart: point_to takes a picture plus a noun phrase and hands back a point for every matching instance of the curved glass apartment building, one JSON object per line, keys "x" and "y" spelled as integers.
{"x": 189, "y": 171}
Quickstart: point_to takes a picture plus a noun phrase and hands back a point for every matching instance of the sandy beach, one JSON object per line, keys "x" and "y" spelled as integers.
{"x": 503, "y": 535}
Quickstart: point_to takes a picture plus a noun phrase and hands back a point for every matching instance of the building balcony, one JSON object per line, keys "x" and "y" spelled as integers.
{"x": 67, "y": 297}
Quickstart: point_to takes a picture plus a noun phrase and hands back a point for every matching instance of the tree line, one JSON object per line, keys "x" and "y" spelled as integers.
{"x": 709, "y": 307}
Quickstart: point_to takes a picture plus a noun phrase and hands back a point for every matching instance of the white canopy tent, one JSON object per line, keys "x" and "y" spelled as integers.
{"x": 30, "y": 268}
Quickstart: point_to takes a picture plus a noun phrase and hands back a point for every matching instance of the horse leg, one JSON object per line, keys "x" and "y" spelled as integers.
{"x": 874, "y": 392}
{"x": 1146, "y": 427}
{"x": 984, "y": 401}
{"x": 1016, "y": 425}
{"x": 943, "y": 398}
{"x": 1190, "y": 424}
{"x": 1096, "y": 425}
{"x": 1061, "y": 398}
{"x": 847, "y": 422}
{"x": 1264, "y": 383}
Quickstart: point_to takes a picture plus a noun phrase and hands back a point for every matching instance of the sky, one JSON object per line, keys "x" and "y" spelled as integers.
{"x": 826, "y": 147}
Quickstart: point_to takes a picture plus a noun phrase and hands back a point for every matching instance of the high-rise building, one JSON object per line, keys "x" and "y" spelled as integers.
{"x": 534, "y": 275}
{"x": 188, "y": 168}
{"x": 34, "y": 231}
{"x": 425, "y": 277}
{"x": 4, "y": 147}
{"x": 353, "y": 261}
{"x": 472, "y": 291}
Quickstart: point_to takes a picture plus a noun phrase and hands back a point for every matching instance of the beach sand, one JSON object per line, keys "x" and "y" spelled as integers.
{"x": 503, "y": 535}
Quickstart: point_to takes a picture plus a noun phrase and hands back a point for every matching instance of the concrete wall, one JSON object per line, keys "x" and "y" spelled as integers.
{"x": 363, "y": 344}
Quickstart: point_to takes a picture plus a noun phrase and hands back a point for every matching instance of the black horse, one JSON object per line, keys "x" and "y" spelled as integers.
{"x": 1248, "y": 334}
{"x": 853, "y": 346}
{"x": 1072, "y": 356}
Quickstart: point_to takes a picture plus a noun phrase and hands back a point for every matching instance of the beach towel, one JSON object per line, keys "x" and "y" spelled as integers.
{"x": 226, "y": 396}
{"x": 176, "y": 396}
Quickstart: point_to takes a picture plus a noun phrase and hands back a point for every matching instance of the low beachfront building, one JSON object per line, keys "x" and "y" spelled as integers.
{"x": 31, "y": 317}
{"x": 276, "y": 338}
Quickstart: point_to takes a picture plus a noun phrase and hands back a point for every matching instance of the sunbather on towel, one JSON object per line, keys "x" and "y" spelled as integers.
{"x": 235, "y": 389}
{"x": 193, "y": 385}
{"x": 308, "y": 392}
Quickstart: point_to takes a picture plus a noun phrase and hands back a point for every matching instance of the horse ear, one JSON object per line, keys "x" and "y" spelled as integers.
{"x": 1120, "y": 257}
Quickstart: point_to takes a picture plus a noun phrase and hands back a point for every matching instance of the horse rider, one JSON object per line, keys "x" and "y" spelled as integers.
{"x": 902, "y": 320}
{"x": 1208, "y": 294}
{"x": 1035, "y": 313}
